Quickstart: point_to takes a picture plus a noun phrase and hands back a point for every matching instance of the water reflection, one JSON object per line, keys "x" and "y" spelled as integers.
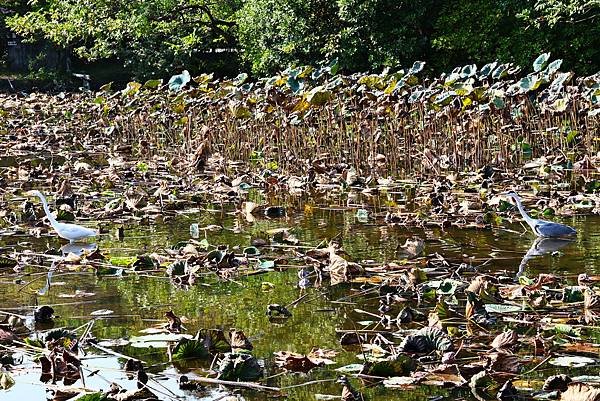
{"x": 542, "y": 246}
{"x": 303, "y": 276}
{"x": 139, "y": 300}
{"x": 77, "y": 248}
{"x": 44, "y": 290}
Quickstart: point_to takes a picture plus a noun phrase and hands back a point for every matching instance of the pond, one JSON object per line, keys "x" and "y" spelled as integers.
{"x": 139, "y": 300}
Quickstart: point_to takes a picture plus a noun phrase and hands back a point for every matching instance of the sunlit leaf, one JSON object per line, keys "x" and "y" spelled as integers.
{"x": 500, "y": 71}
{"x": 416, "y": 67}
{"x": 468, "y": 71}
{"x": 502, "y": 308}
{"x": 540, "y": 62}
{"x": 131, "y": 89}
{"x": 318, "y": 96}
{"x": 553, "y": 66}
{"x": 179, "y": 81}
{"x": 153, "y": 83}
{"x": 6, "y": 381}
{"x": 352, "y": 368}
{"x": 487, "y": 69}
{"x": 240, "y": 79}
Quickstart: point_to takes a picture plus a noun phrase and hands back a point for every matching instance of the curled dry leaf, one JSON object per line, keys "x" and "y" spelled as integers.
{"x": 443, "y": 375}
{"x": 6, "y": 381}
{"x": 239, "y": 341}
{"x": 340, "y": 270}
{"x": 505, "y": 340}
{"x": 60, "y": 365}
{"x": 502, "y": 362}
{"x": 293, "y": 361}
{"x": 174, "y": 324}
{"x": 413, "y": 247}
{"x": 557, "y": 382}
{"x": 349, "y": 393}
{"x": 580, "y": 392}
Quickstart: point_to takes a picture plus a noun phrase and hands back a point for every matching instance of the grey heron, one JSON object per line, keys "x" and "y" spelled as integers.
{"x": 542, "y": 228}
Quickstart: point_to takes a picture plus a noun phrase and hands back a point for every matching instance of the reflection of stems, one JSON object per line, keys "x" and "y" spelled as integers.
{"x": 115, "y": 353}
{"x": 250, "y": 385}
{"x": 537, "y": 366}
{"x": 41, "y": 277}
{"x": 15, "y": 350}
{"x": 87, "y": 330}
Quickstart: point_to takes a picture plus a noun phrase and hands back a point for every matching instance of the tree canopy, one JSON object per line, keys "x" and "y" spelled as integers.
{"x": 146, "y": 35}
{"x": 156, "y": 37}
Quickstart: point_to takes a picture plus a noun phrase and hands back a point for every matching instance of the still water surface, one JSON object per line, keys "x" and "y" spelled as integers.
{"x": 139, "y": 301}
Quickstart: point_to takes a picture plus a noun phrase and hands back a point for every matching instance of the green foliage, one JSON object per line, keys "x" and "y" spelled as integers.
{"x": 161, "y": 37}
{"x": 378, "y": 33}
{"x": 274, "y": 34}
{"x": 482, "y": 30}
{"x": 189, "y": 349}
{"x": 93, "y": 397}
{"x": 371, "y": 34}
{"x": 553, "y": 11}
{"x": 148, "y": 37}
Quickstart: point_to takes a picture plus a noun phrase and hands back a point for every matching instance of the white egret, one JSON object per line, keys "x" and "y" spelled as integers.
{"x": 542, "y": 228}
{"x": 72, "y": 232}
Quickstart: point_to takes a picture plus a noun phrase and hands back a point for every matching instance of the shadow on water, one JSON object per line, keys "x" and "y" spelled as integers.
{"x": 139, "y": 301}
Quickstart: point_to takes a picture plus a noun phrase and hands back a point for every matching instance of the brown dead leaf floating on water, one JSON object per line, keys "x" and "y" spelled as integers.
{"x": 302, "y": 363}
{"x": 174, "y": 325}
{"x": 339, "y": 269}
{"x": 239, "y": 341}
{"x": 505, "y": 340}
{"x": 294, "y": 362}
{"x": 348, "y": 392}
{"x": 412, "y": 248}
{"x": 60, "y": 365}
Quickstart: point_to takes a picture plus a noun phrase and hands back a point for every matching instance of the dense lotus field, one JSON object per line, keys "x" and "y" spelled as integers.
{"x": 419, "y": 161}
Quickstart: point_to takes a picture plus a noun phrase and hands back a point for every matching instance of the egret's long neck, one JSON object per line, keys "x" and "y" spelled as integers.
{"x": 51, "y": 218}
{"x": 528, "y": 219}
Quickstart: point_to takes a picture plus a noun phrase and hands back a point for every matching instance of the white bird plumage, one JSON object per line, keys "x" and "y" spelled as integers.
{"x": 72, "y": 232}
{"x": 542, "y": 228}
